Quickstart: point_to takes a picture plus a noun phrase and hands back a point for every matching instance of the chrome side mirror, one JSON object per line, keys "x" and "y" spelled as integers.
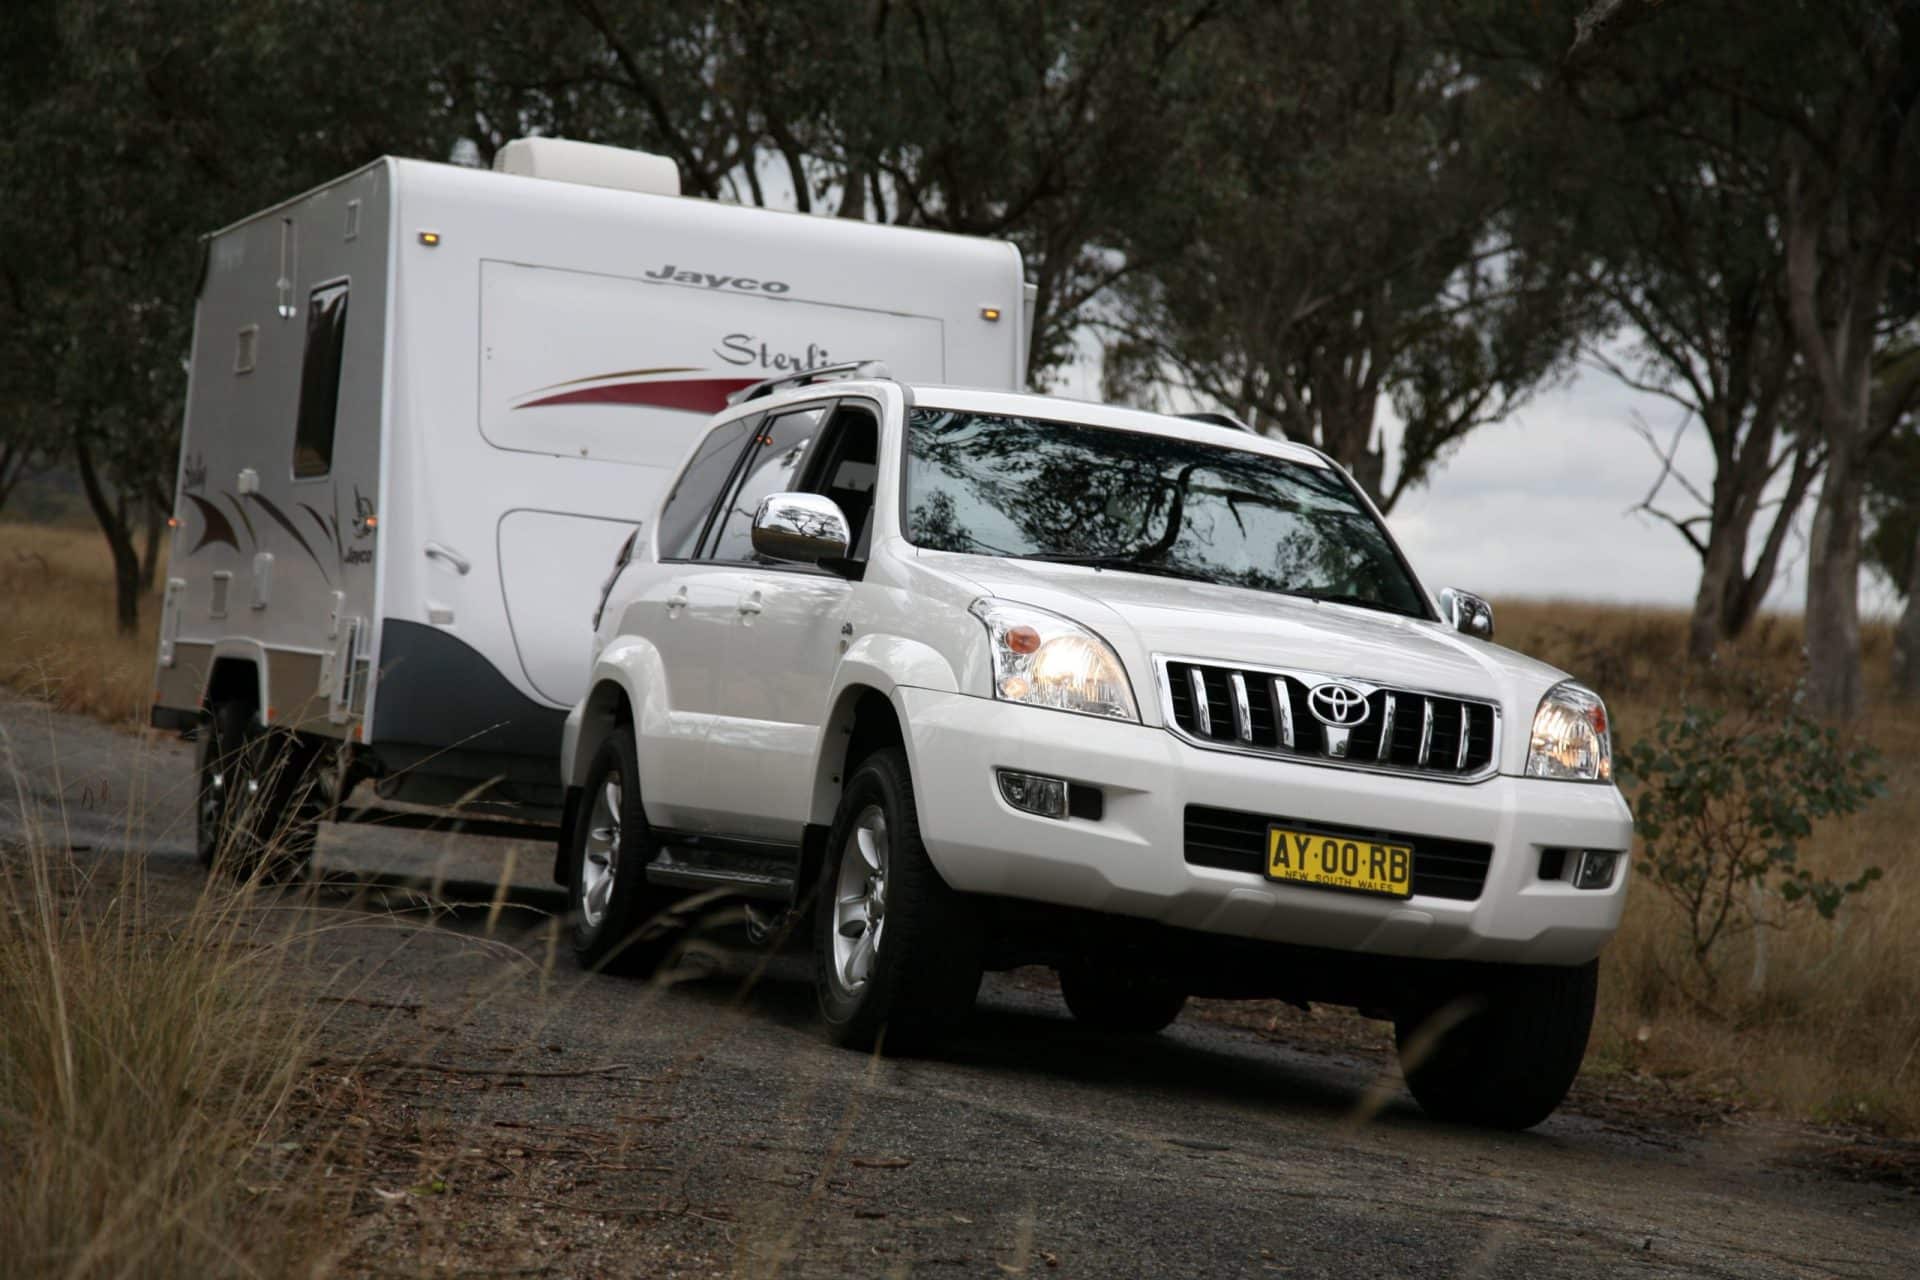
{"x": 1464, "y": 611}
{"x": 801, "y": 526}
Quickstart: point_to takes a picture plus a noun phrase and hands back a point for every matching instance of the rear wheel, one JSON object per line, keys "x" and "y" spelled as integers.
{"x": 616, "y": 918}
{"x": 1503, "y": 1050}
{"x": 254, "y": 812}
{"x": 896, "y": 952}
{"x": 1120, "y": 998}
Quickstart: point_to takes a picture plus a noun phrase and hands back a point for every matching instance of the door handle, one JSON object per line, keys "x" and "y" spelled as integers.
{"x": 677, "y": 601}
{"x": 458, "y": 562}
{"x": 750, "y": 603}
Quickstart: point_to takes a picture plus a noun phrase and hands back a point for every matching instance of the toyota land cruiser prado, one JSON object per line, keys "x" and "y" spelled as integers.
{"x": 969, "y": 680}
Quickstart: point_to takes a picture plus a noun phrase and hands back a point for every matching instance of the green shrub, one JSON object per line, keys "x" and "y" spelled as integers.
{"x": 1724, "y": 800}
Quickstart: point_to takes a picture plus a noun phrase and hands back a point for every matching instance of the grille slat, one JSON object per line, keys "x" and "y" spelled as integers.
{"x": 1268, "y": 712}
{"x": 1233, "y": 840}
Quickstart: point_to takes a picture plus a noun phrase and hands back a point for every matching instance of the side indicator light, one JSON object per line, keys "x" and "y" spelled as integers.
{"x": 429, "y": 238}
{"x": 990, "y": 314}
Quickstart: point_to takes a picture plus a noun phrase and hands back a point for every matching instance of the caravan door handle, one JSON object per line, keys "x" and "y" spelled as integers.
{"x": 677, "y": 601}
{"x": 460, "y": 564}
{"x": 750, "y": 604}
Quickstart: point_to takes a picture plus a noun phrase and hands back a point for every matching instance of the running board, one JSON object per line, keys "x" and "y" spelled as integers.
{"x": 764, "y": 872}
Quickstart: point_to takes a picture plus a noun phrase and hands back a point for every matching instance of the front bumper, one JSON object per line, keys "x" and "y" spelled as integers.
{"x": 1131, "y": 860}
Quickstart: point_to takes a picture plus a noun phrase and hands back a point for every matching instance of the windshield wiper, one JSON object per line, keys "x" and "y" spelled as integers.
{"x": 1360, "y": 602}
{"x": 1128, "y": 562}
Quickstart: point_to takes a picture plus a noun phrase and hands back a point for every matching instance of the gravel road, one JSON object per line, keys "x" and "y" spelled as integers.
{"x": 520, "y": 1117}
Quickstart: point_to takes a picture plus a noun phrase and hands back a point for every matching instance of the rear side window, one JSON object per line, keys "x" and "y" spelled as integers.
{"x": 320, "y": 380}
{"x": 685, "y": 516}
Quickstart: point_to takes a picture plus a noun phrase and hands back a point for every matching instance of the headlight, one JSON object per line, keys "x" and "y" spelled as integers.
{"x": 1570, "y": 739}
{"x": 1045, "y": 660}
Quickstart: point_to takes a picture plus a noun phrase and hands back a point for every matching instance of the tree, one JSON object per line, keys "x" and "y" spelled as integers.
{"x": 1839, "y": 80}
{"x": 1352, "y": 240}
{"x": 1893, "y": 516}
{"x": 1686, "y": 257}
{"x": 1850, "y": 201}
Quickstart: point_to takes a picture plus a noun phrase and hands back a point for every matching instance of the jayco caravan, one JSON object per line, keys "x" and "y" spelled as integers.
{"x": 427, "y": 404}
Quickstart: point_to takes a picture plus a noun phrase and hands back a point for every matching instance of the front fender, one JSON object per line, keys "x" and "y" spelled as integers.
{"x": 877, "y": 664}
{"x": 886, "y": 662}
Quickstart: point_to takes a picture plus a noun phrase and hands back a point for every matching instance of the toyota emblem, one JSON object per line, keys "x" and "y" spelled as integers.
{"x": 1339, "y": 705}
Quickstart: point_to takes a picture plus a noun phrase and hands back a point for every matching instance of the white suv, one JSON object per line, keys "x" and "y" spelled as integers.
{"x": 988, "y": 679}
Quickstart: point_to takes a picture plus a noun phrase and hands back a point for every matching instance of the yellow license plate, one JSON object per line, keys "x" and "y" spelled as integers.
{"x": 1340, "y": 862}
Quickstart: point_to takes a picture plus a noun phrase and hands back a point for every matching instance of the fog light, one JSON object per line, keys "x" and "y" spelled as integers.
{"x": 1596, "y": 870}
{"x": 1034, "y": 793}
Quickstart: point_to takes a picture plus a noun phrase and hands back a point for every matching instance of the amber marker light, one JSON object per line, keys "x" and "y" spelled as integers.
{"x": 173, "y": 522}
{"x": 1023, "y": 639}
{"x": 373, "y": 522}
{"x": 989, "y": 314}
{"x": 429, "y": 238}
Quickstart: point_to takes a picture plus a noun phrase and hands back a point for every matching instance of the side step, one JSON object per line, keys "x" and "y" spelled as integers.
{"x": 763, "y": 872}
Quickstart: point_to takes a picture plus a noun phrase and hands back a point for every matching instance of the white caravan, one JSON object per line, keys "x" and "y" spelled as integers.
{"x": 427, "y": 406}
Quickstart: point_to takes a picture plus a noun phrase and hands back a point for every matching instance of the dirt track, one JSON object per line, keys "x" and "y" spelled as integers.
{"x": 521, "y": 1117}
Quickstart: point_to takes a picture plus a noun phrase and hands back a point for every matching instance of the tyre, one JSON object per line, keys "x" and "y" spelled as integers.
{"x": 1124, "y": 999}
{"x": 253, "y": 811}
{"x": 1500, "y": 1052}
{"x": 615, "y": 915}
{"x": 896, "y": 952}
{"x": 216, "y": 755}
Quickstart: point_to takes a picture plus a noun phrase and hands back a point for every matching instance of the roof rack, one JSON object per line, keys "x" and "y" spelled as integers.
{"x": 1218, "y": 420}
{"x": 807, "y": 377}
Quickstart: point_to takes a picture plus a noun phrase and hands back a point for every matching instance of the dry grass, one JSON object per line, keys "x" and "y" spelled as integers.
{"x": 57, "y": 636}
{"x": 147, "y": 1055}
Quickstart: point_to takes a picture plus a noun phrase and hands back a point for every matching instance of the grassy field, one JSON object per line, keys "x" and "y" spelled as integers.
{"x": 1832, "y": 1035}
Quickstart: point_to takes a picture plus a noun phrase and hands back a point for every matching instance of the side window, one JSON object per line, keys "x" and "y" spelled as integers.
{"x": 684, "y": 517}
{"x": 773, "y": 466}
{"x": 845, "y": 466}
{"x": 320, "y": 381}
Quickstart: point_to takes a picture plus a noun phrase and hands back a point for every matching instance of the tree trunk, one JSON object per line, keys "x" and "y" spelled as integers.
{"x": 1833, "y": 592}
{"x": 113, "y": 523}
{"x": 1721, "y": 579}
{"x": 1906, "y": 637}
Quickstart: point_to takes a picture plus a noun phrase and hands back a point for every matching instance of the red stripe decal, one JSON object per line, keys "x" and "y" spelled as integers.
{"x": 695, "y": 395}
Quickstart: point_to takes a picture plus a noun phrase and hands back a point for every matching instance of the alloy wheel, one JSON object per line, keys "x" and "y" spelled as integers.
{"x": 860, "y": 900}
{"x": 600, "y": 861}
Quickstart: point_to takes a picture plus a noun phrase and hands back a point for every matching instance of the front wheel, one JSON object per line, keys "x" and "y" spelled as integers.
{"x": 615, "y": 912}
{"x": 1503, "y": 1050}
{"x": 896, "y": 952}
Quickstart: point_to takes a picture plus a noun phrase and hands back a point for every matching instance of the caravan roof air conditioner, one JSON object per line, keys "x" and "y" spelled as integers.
{"x": 590, "y": 164}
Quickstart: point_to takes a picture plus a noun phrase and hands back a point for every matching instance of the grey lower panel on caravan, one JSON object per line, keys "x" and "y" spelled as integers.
{"x": 446, "y": 714}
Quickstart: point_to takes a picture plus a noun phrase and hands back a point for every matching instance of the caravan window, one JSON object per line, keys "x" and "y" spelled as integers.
{"x": 320, "y": 380}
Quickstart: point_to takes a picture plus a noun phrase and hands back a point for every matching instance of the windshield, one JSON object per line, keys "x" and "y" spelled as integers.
{"x": 1033, "y": 489}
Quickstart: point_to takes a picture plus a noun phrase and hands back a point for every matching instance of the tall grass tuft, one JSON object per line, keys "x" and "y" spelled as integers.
{"x": 147, "y": 1055}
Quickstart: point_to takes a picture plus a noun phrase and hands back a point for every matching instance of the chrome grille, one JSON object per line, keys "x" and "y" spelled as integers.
{"x": 1266, "y": 711}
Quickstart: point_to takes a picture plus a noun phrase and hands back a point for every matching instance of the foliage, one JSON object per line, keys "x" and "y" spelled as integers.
{"x": 1353, "y": 240}
{"x": 1726, "y": 799}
